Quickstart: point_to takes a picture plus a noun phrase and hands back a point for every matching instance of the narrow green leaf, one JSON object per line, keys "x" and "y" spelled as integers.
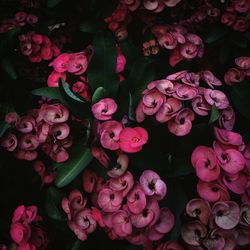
{"x": 98, "y": 94}
{"x": 68, "y": 171}
{"x": 8, "y": 68}
{"x": 77, "y": 245}
{"x": 53, "y": 93}
{"x": 53, "y": 3}
{"x": 214, "y": 115}
{"x": 240, "y": 97}
{"x": 3, "y": 127}
{"x": 65, "y": 88}
{"x": 53, "y": 200}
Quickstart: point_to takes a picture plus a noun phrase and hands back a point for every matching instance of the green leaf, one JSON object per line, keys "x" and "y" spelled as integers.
{"x": 53, "y": 198}
{"x": 102, "y": 69}
{"x": 3, "y": 127}
{"x": 77, "y": 245}
{"x": 53, "y": 3}
{"x": 216, "y": 33}
{"x": 214, "y": 115}
{"x": 240, "y": 97}
{"x": 65, "y": 88}
{"x": 80, "y": 157}
{"x": 8, "y": 68}
{"x": 90, "y": 27}
{"x": 53, "y": 93}
{"x": 99, "y": 93}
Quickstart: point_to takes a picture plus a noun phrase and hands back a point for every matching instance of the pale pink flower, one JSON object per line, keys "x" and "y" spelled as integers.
{"x": 121, "y": 223}
{"x": 217, "y": 98}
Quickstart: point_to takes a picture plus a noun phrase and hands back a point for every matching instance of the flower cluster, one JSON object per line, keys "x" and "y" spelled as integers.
{"x": 150, "y": 47}
{"x": 47, "y": 174}
{"x": 45, "y": 127}
{"x": 232, "y": 17}
{"x": 223, "y": 167}
{"x": 165, "y": 100}
{"x": 113, "y": 135}
{"x": 37, "y": 47}
{"x": 21, "y": 18}
{"x": 237, "y": 75}
{"x": 124, "y": 208}
{"x": 25, "y": 230}
{"x": 184, "y": 45}
{"x": 225, "y": 225}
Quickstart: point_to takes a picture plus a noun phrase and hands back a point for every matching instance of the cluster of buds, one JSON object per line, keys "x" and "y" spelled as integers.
{"x": 123, "y": 207}
{"x": 184, "y": 45}
{"x": 165, "y": 99}
{"x": 21, "y": 18}
{"x": 236, "y": 75}
{"x": 45, "y": 128}
{"x": 155, "y": 6}
{"x": 224, "y": 225}
{"x": 25, "y": 230}
{"x": 223, "y": 168}
{"x": 150, "y": 48}
{"x": 234, "y": 15}
{"x": 37, "y": 47}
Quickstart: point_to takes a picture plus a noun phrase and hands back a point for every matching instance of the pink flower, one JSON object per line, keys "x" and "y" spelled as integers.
{"x": 241, "y": 24}
{"x": 188, "y": 50}
{"x": 199, "y": 209}
{"x": 82, "y": 89}
{"x": 39, "y": 238}
{"x": 25, "y": 214}
{"x": 152, "y": 184}
{"x": 191, "y": 79}
{"x": 205, "y": 163}
{"x": 136, "y": 200}
{"x": 9, "y": 142}
{"x": 20, "y": 16}
{"x": 243, "y": 62}
{"x": 168, "y": 110}
{"x": 54, "y": 77}
{"x": 181, "y": 124}
{"x": 60, "y": 131}
{"x": 28, "y": 142}
{"x": 185, "y": 92}
{"x": 228, "y": 137}
{"x": 217, "y": 98}
{"x": 175, "y": 57}
{"x": 20, "y": 233}
{"x": 177, "y": 76}
{"x": 171, "y": 3}
{"x": 46, "y": 53}
{"x": 212, "y": 191}
{"x": 170, "y": 245}
{"x": 89, "y": 179}
{"x": 100, "y": 155}
{"x": 110, "y": 134}
{"x": 226, "y": 214}
{"x": 227, "y": 118}
{"x": 140, "y": 116}
{"x": 25, "y": 155}
{"x": 152, "y": 101}
{"x": 236, "y": 183}
{"x": 26, "y": 124}
{"x": 109, "y": 200}
{"x": 121, "y": 61}
{"x": 11, "y": 118}
{"x": 121, "y": 223}
{"x": 120, "y": 168}
{"x": 132, "y": 139}
{"x": 77, "y": 63}
{"x": 167, "y": 41}
{"x": 193, "y": 233}
{"x": 200, "y": 105}
{"x": 234, "y": 76}
{"x": 60, "y": 63}
{"x": 210, "y": 79}
{"x": 104, "y": 109}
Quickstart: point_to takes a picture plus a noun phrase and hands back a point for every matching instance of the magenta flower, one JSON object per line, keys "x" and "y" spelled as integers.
{"x": 89, "y": 179}
{"x": 26, "y": 124}
{"x": 231, "y": 160}
{"x": 140, "y": 116}
{"x": 205, "y": 163}
{"x": 212, "y": 191}
{"x": 185, "y": 92}
{"x": 234, "y": 76}
{"x": 121, "y": 223}
{"x": 77, "y": 63}
{"x": 152, "y": 184}
{"x": 28, "y": 142}
{"x": 210, "y": 79}
{"x": 170, "y": 245}
{"x": 188, "y": 50}
{"x": 120, "y": 168}
{"x": 121, "y": 61}
{"x": 60, "y": 131}
{"x": 9, "y": 142}
{"x": 167, "y": 41}
{"x": 217, "y": 98}
{"x": 54, "y": 77}
{"x": 227, "y": 137}
{"x": 165, "y": 86}
{"x": 60, "y": 63}
{"x": 177, "y": 76}
{"x": 122, "y": 184}
{"x": 11, "y": 118}
{"x": 20, "y": 233}
{"x": 181, "y": 124}
{"x": 100, "y": 155}
{"x": 168, "y": 110}
{"x": 25, "y": 214}
{"x": 236, "y": 183}
{"x": 200, "y": 105}
{"x": 199, "y": 209}
{"x": 109, "y": 200}
{"x": 104, "y": 109}
{"x": 226, "y": 214}
{"x": 191, "y": 79}
{"x": 193, "y": 233}
{"x": 132, "y": 139}
{"x": 152, "y": 101}
{"x": 227, "y": 118}
{"x": 110, "y": 134}
{"x": 136, "y": 200}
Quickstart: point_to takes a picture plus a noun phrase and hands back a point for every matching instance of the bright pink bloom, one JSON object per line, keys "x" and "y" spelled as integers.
{"x": 104, "y": 109}
{"x": 200, "y": 105}
{"x": 60, "y": 131}
{"x": 77, "y": 63}
{"x": 181, "y": 124}
{"x": 25, "y": 214}
{"x": 121, "y": 61}
{"x": 199, "y": 209}
{"x": 26, "y": 124}
{"x": 54, "y": 77}
{"x": 185, "y": 92}
{"x": 121, "y": 223}
{"x": 46, "y": 53}
{"x": 228, "y": 137}
{"x": 132, "y": 139}
{"x": 20, "y": 233}
{"x": 109, "y": 200}
{"x": 188, "y": 50}
{"x": 175, "y": 57}
{"x": 110, "y": 134}
{"x": 152, "y": 184}
{"x": 61, "y": 62}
